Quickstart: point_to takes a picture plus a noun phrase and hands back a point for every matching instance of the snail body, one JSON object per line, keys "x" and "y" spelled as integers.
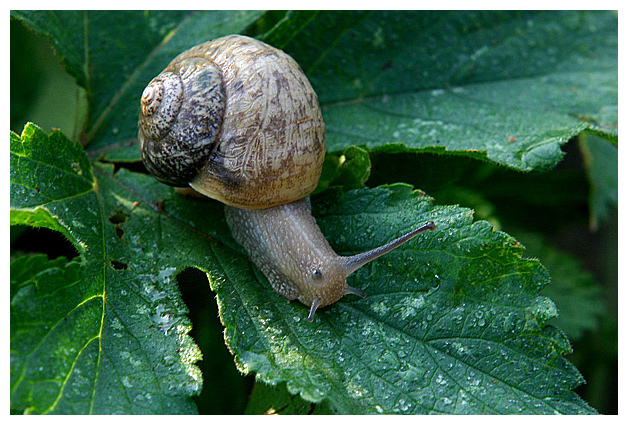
{"x": 238, "y": 121}
{"x": 288, "y": 247}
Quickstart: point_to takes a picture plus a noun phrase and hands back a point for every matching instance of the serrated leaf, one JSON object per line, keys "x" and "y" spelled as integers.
{"x": 276, "y": 400}
{"x": 107, "y": 334}
{"x": 495, "y": 85}
{"x": 452, "y": 322}
{"x": 577, "y": 295}
{"x": 601, "y": 159}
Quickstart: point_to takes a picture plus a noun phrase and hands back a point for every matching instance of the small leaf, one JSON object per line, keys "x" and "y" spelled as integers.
{"x": 601, "y": 160}
{"x": 276, "y": 400}
{"x": 574, "y": 289}
{"x": 351, "y": 169}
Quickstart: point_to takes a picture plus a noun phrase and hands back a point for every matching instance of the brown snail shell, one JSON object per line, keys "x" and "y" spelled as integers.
{"x": 237, "y": 120}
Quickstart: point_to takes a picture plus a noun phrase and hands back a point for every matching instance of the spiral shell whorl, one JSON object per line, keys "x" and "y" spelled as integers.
{"x": 161, "y": 101}
{"x": 180, "y": 117}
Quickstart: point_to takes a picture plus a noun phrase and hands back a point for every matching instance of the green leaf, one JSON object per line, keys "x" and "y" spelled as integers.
{"x": 276, "y": 400}
{"x": 495, "y": 85}
{"x": 290, "y": 26}
{"x": 86, "y": 49}
{"x": 601, "y": 161}
{"x": 577, "y": 295}
{"x": 108, "y": 333}
{"x": 452, "y": 322}
{"x": 68, "y": 44}
{"x": 351, "y": 169}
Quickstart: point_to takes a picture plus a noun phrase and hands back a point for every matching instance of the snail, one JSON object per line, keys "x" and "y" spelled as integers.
{"x": 238, "y": 121}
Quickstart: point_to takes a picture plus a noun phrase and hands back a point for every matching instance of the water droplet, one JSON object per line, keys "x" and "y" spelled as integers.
{"x": 440, "y": 379}
{"x": 318, "y": 393}
{"x": 116, "y": 324}
{"x": 165, "y": 274}
{"x": 511, "y": 322}
{"x": 380, "y": 307}
{"x": 403, "y": 404}
{"x": 77, "y": 168}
